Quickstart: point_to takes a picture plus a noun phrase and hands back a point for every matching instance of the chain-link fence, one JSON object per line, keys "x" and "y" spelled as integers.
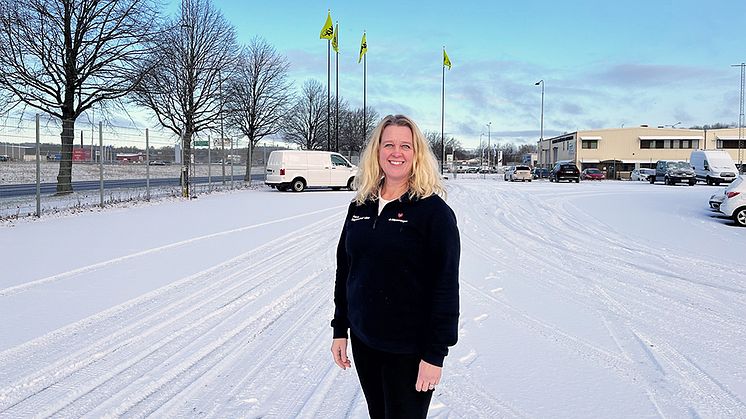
{"x": 47, "y": 165}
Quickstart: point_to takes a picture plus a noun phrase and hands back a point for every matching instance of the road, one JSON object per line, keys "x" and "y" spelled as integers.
{"x": 9, "y": 191}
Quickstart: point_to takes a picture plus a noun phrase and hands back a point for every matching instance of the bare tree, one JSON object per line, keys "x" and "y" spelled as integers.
{"x": 351, "y": 133}
{"x": 183, "y": 81}
{"x": 259, "y": 94}
{"x": 436, "y": 145}
{"x": 305, "y": 124}
{"x": 62, "y": 57}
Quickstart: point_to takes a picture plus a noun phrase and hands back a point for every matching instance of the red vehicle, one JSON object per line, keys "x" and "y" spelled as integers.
{"x": 592, "y": 174}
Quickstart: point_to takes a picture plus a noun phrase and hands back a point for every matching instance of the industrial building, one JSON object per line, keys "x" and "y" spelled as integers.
{"x": 618, "y": 151}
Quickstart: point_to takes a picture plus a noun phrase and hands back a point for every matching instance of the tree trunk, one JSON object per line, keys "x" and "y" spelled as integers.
{"x": 64, "y": 177}
{"x": 249, "y": 155}
{"x": 186, "y": 161}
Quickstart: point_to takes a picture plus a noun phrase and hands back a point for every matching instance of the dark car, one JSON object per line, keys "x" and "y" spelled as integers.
{"x": 672, "y": 172}
{"x": 540, "y": 173}
{"x": 592, "y": 174}
{"x": 565, "y": 171}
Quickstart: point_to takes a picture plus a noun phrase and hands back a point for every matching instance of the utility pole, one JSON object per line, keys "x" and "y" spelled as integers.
{"x": 740, "y": 114}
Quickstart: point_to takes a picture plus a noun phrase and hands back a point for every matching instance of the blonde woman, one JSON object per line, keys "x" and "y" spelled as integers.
{"x": 396, "y": 287}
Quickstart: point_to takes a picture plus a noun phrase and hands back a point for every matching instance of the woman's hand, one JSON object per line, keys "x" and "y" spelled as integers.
{"x": 428, "y": 377}
{"x": 339, "y": 353}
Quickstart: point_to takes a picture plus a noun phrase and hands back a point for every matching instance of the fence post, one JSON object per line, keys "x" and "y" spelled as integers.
{"x": 38, "y": 170}
{"x": 147, "y": 166}
{"x": 101, "y": 162}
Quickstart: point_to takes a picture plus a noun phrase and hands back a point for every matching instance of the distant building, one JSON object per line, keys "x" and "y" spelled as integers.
{"x": 624, "y": 149}
{"x": 130, "y": 157}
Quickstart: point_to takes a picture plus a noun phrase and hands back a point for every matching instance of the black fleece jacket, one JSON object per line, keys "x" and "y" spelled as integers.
{"x": 396, "y": 285}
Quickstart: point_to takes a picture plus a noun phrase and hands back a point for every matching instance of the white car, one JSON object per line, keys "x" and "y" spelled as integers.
{"x": 507, "y": 173}
{"x": 522, "y": 173}
{"x": 642, "y": 174}
{"x": 734, "y": 204}
{"x": 716, "y": 199}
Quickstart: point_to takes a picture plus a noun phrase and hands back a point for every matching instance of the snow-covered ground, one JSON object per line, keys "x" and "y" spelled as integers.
{"x": 609, "y": 299}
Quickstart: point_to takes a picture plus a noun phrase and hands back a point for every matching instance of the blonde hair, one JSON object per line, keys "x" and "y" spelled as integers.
{"x": 425, "y": 179}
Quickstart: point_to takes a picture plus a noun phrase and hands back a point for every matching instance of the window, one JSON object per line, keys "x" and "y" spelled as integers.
{"x": 656, "y": 143}
{"x": 590, "y": 144}
{"x": 731, "y": 143}
{"x": 338, "y": 160}
{"x": 669, "y": 144}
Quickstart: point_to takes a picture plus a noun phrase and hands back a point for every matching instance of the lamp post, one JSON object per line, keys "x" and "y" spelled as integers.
{"x": 481, "y": 150}
{"x": 541, "y": 135}
{"x": 489, "y": 148}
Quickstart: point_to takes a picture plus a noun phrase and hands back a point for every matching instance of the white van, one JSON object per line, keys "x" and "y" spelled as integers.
{"x": 713, "y": 166}
{"x": 298, "y": 170}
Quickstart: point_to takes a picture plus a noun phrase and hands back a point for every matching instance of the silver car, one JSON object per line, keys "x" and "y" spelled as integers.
{"x": 641, "y": 174}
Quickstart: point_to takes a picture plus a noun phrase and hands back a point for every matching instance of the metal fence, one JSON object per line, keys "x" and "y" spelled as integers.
{"x": 110, "y": 164}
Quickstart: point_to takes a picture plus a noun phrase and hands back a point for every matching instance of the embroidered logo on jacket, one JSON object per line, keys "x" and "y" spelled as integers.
{"x": 398, "y": 220}
{"x": 358, "y": 218}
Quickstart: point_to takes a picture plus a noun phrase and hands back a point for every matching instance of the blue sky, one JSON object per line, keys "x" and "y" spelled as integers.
{"x": 605, "y": 64}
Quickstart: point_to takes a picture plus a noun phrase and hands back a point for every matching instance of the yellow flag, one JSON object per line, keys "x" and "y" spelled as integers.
{"x": 363, "y": 48}
{"x": 335, "y": 39}
{"x": 328, "y": 30}
{"x": 446, "y": 60}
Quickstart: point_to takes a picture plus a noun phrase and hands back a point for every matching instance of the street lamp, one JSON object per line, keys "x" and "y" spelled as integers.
{"x": 541, "y": 135}
{"x": 481, "y": 150}
{"x": 489, "y": 148}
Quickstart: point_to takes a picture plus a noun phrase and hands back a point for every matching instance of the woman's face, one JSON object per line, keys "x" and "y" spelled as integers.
{"x": 396, "y": 153}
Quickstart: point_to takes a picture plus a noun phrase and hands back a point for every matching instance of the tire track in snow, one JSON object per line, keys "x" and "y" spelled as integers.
{"x": 144, "y": 396}
{"x": 94, "y": 353}
{"x": 601, "y": 291}
{"x": 611, "y": 264}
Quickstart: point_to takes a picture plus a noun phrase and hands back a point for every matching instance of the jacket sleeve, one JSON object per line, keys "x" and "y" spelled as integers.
{"x": 445, "y": 246}
{"x": 340, "y": 323}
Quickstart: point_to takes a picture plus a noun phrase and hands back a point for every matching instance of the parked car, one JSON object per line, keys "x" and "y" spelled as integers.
{"x": 565, "y": 171}
{"x": 522, "y": 173}
{"x": 672, "y": 172}
{"x": 4, "y": 157}
{"x": 734, "y": 204}
{"x": 713, "y": 166}
{"x": 641, "y": 174}
{"x": 299, "y": 170}
{"x": 592, "y": 174}
{"x": 540, "y": 173}
{"x": 157, "y": 163}
{"x": 507, "y": 172}
{"x": 716, "y": 199}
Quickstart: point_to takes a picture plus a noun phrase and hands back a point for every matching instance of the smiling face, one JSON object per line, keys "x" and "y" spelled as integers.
{"x": 396, "y": 153}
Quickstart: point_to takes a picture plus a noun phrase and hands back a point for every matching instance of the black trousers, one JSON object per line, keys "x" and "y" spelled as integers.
{"x": 388, "y": 382}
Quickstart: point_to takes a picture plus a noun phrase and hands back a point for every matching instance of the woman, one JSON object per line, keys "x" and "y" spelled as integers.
{"x": 396, "y": 286}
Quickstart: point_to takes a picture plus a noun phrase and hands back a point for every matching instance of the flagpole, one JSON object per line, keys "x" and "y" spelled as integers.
{"x": 328, "y": 91}
{"x": 365, "y": 75}
{"x": 336, "y": 112}
{"x": 443, "y": 116}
